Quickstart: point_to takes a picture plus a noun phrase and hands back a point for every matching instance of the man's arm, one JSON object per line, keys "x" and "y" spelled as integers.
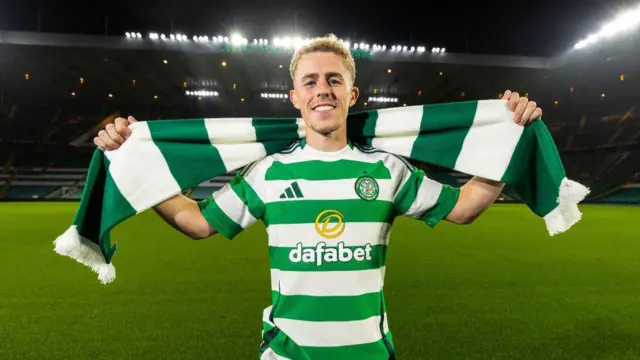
{"x": 184, "y": 215}
{"x": 475, "y": 197}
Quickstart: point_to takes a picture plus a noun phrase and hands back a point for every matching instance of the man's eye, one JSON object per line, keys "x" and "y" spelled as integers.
{"x": 334, "y": 81}
{"x": 308, "y": 83}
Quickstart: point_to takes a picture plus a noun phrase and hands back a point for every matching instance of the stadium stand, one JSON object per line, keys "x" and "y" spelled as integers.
{"x": 57, "y": 91}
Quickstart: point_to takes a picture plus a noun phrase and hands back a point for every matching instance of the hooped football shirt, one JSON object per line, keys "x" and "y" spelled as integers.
{"x": 328, "y": 217}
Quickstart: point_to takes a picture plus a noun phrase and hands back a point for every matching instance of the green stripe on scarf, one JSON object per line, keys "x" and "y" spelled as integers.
{"x": 162, "y": 158}
{"x": 447, "y": 137}
{"x": 185, "y": 162}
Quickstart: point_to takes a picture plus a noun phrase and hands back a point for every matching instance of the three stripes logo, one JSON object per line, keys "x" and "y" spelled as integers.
{"x": 292, "y": 192}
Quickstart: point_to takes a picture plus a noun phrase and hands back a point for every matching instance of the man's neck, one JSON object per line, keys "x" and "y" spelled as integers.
{"x": 335, "y": 141}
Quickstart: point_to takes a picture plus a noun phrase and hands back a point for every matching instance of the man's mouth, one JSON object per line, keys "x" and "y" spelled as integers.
{"x": 323, "y": 107}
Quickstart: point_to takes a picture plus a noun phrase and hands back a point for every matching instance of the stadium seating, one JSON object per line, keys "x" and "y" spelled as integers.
{"x": 625, "y": 195}
{"x": 29, "y": 192}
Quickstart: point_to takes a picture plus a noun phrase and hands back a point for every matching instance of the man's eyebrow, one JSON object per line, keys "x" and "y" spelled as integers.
{"x": 315, "y": 75}
{"x": 310, "y": 76}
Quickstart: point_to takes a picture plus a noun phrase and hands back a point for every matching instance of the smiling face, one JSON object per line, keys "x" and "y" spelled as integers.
{"x": 323, "y": 91}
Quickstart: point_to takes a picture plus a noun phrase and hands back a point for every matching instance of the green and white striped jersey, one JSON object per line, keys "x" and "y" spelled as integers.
{"x": 328, "y": 218}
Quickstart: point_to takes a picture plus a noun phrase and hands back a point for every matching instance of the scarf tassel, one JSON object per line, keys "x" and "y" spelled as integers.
{"x": 73, "y": 245}
{"x": 566, "y": 214}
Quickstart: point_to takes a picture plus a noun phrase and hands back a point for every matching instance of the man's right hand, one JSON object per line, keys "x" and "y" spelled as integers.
{"x": 114, "y": 134}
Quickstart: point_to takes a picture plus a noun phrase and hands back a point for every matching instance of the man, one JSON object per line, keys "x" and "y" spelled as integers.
{"x": 328, "y": 205}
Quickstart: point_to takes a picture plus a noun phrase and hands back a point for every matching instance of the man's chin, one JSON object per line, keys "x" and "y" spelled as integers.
{"x": 326, "y": 132}
{"x": 324, "y": 127}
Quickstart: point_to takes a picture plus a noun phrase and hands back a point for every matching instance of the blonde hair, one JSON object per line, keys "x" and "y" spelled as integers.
{"x": 327, "y": 43}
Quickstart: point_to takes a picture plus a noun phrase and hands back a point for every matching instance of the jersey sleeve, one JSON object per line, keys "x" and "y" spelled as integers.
{"x": 237, "y": 205}
{"x": 422, "y": 198}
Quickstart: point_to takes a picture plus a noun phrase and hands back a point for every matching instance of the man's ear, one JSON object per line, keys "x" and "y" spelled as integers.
{"x": 294, "y": 99}
{"x": 355, "y": 93}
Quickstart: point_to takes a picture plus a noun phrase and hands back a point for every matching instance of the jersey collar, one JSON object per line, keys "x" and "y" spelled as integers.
{"x": 303, "y": 143}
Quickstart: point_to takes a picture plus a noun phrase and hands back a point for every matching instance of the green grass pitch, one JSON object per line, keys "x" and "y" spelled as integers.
{"x": 498, "y": 289}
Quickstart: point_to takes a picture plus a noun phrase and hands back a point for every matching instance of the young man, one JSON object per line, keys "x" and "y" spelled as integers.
{"x": 328, "y": 205}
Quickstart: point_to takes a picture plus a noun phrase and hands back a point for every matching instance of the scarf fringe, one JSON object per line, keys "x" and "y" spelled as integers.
{"x": 566, "y": 214}
{"x": 73, "y": 245}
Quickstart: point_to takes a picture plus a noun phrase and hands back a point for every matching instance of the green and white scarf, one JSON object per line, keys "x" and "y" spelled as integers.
{"x": 162, "y": 158}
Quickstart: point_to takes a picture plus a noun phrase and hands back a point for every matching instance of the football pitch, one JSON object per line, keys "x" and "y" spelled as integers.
{"x": 501, "y": 288}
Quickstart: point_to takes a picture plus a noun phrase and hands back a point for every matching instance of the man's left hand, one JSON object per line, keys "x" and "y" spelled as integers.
{"x": 525, "y": 111}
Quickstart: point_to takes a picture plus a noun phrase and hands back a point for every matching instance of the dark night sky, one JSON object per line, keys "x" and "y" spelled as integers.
{"x": 525, "y": 27}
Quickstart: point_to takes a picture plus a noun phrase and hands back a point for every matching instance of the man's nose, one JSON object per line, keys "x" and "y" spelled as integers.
{"x": 323, "y": 88}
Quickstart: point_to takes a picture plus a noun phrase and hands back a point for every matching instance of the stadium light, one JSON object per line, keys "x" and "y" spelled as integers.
{"x": 201, "y": 93}
{"x": 290, "y": 42}
{"x": 383, "y": 99}
{"x": 237, "y": 40}
{"x": 287, "y": 42}
{"x": 133, "y": 35}
{"x": 280, "y": 42}
{"x": 273, "y": 96}
{"x": 623, "y": 22}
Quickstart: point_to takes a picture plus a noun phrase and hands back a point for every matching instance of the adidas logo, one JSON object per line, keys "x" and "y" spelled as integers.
{"x": 292, "y": 192}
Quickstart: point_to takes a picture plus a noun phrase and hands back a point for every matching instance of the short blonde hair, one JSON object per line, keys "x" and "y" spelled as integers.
{"x": 327, "y": 43}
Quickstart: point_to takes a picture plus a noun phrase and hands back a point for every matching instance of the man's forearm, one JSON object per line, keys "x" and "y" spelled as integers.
{"x": 184, "y": 215}
{"x": 475, "y": 197}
